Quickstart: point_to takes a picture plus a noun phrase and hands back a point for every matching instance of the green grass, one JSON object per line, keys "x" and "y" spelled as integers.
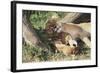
{"x": 34, "y": 54}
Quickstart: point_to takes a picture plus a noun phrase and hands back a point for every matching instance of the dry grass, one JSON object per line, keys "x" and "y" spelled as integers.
{"x": 33, "y": 54}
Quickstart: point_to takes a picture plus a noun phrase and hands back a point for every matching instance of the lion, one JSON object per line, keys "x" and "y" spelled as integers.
{"x": 75, "y": 31}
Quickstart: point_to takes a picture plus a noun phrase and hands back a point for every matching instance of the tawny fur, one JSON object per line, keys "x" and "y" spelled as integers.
{"x": 66, "y": 49}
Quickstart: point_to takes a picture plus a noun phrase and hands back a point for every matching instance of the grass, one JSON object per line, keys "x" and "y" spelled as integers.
{"x": 34, "y": 54}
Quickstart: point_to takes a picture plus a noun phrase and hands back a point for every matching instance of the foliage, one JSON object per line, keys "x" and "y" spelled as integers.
{"x": 39, "y": 18}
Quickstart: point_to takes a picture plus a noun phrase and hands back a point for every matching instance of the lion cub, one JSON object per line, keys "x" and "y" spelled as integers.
{"x": 66, "y": 44}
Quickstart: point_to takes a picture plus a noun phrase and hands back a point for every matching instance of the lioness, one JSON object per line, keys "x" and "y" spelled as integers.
{"x": 75, "y": 31}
